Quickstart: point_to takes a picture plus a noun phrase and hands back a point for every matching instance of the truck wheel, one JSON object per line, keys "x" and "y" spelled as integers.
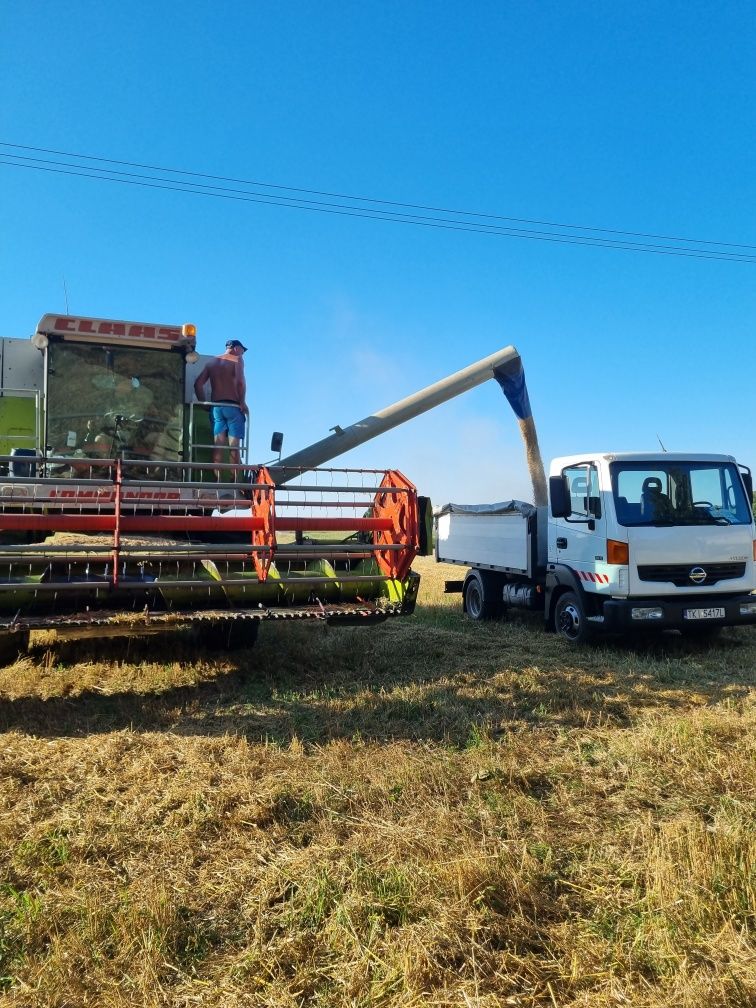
{"x": 482, "y": 596}
{"x": 569, "y": 619}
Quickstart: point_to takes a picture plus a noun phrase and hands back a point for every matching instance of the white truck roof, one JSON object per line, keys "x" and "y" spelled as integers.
{"x": 558, "y": 464}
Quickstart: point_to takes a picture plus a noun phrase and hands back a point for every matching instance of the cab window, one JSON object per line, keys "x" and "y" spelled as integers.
{"x": 583, "y": 486}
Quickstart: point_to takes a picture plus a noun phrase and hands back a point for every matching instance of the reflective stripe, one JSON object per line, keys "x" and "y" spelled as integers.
{"x": 593, "y": 577}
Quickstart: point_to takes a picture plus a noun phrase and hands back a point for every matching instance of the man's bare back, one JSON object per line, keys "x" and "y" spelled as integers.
{"x": 226, "y": 377}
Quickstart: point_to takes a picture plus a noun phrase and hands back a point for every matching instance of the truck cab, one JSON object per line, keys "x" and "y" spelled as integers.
{"x": 649, "y": 540}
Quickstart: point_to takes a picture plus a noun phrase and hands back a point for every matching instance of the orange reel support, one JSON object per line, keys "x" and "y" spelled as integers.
{"x": 263, "y": 508}
{"x": 397, "y": 502}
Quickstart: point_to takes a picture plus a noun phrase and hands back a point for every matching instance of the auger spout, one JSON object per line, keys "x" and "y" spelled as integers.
{"x": 343, "y": 440}
{"x": 505, "y": 366}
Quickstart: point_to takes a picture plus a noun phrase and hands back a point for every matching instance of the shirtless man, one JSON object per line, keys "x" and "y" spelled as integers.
{"x": 228, "y": 389}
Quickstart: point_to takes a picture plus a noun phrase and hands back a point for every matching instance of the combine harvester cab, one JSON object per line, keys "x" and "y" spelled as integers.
{"x": 112, "y": 521}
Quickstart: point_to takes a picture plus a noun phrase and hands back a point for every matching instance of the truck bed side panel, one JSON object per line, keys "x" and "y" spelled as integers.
{"x": 494, "y": 542}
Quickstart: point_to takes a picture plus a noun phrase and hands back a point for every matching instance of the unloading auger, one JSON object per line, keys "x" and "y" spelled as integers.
{"x": 111, "y": 520}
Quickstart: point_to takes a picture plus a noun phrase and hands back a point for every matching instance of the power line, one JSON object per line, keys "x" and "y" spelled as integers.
{"x": 455, "y": 223}
{"x": 302, "y": 204}
{"x": 367, "y": 199}
{"x": 365, "y": 213}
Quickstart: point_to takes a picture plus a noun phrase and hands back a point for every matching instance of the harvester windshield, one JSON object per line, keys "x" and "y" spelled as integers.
{"x": 113, "y": 401}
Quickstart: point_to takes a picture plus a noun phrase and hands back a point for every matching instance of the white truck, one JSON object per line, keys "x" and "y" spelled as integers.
{"x": 627, "y": 541}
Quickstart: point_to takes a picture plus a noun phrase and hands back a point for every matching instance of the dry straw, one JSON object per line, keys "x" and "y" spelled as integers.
{"x": 433, "y": 812}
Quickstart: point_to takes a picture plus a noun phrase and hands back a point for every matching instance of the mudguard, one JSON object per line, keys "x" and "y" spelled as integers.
{"x": 559, "y": 577}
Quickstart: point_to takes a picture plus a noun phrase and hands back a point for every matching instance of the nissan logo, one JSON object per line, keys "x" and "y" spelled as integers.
{"x": 697, "y": 575}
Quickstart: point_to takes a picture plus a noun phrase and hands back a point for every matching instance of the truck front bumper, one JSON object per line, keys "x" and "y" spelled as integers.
{"x": 621, "y": 615}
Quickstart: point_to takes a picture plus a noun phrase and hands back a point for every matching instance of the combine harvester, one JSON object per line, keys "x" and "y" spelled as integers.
{"x": 112, "y": 521}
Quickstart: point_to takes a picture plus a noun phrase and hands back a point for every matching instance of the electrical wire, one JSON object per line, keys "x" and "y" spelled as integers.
{"x": 367, "y": 199}
{"x": 455, "y": 220}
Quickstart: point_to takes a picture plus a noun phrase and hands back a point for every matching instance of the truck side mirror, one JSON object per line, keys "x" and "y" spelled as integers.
{"x": 276, "y": 442}
{"x": 560, "y": 499}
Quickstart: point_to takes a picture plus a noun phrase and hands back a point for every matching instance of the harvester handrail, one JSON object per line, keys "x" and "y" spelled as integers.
{"x": 97, "y": 462}
{"x": 90, "y": 462}
{"x": 53, "y": 481}
{"x": 322, "y": 469}
{"x": 245, "y": 442}
{"x": 320, "y": 504}
{"x": 149, "y": 487}
{"x": 103, "y": 504}
{"x": 341, "y": 489}
{"x": 146, "y": 484}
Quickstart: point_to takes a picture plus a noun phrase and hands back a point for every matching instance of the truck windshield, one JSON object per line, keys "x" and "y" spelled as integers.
{"x": 679, "y": 493}
{"x": 111, "y": 401}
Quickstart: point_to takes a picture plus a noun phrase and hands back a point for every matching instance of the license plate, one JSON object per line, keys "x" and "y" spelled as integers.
{"x": 704, "y": 614}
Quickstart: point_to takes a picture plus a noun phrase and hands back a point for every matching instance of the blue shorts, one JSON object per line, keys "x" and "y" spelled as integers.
{"x": 228, "y": 420}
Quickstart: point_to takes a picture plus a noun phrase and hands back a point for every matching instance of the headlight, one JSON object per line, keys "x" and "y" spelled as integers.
{"x": 647, "y": 613}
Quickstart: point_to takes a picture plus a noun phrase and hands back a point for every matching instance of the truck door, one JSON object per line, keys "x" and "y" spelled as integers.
{"x": 580, "y": 539}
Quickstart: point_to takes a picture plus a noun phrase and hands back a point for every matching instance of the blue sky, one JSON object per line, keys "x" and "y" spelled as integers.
{"x": 631, "y": 116}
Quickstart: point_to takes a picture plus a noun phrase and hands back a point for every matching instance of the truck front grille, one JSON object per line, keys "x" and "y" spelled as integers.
{"x": 679, "y": 574}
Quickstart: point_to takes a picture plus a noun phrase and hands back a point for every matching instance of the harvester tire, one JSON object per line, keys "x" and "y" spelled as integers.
{"x": 229, "y": 635}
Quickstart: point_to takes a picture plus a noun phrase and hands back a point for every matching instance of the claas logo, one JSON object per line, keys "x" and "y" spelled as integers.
{"x": 67, "y": 324}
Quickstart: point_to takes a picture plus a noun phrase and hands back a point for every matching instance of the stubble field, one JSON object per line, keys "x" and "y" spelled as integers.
{"x": 432, "y": 812}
